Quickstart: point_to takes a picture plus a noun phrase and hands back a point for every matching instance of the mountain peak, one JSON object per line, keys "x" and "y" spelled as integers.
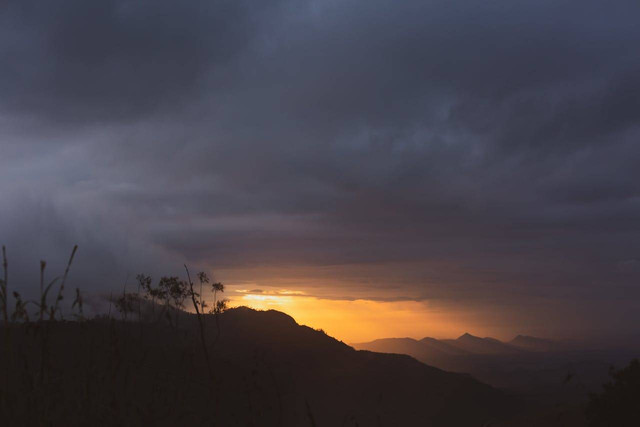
{"x": 466, "y": 335}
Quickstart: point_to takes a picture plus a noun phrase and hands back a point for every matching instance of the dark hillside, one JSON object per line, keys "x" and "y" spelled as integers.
{"x": 267, "y": 371}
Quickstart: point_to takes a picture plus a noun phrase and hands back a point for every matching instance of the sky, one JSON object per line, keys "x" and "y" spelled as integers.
{"x": 372, "y": 167}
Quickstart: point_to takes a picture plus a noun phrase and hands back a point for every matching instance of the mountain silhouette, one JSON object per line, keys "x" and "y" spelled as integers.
{"x": 263, "y": 369}
{"x": 443, "y": 346}
{"x": 431, "y": 349}
{"x": 477, "y": 345}
{"x": 338, "y": 381}
{"x": 421, "y": 350}
{"x": 521, "y": 364}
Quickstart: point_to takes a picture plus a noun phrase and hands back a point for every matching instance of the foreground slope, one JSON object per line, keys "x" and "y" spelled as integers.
{"x": 342, "y": 384}
{"x": 265, "y": 370}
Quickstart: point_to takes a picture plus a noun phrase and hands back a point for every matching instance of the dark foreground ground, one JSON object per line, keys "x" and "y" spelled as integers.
{"x": 263, "y": 370}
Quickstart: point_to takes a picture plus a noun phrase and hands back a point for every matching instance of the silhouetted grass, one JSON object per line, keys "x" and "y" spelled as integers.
{"x": 102, "y": 371}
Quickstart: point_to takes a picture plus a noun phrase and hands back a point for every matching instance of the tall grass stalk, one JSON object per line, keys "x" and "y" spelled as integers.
{"x": 64, "y": 279}
{"x": 200, "y": 325}
{"x": 43, "y": 265}
{"x": 5, "y": 316}
{"x": 3, "y": 288}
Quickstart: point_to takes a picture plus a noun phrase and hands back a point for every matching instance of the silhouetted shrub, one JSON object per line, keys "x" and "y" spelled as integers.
{"x": 619, "y": 404}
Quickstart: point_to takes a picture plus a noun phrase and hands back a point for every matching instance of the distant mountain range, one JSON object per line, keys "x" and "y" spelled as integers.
{"x": 523, "y": 364}
{"x": 465, "y": 345}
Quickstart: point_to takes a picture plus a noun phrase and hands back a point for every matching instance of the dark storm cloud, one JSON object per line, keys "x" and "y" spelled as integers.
{"x": 491, "y": 146}
{"x": 116, "y": 60}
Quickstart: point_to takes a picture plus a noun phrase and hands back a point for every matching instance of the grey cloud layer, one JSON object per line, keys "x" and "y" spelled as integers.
{"x": 492, "y": 145}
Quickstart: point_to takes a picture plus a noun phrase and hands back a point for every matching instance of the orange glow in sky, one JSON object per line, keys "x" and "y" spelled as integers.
{"x": 356, "y": 320}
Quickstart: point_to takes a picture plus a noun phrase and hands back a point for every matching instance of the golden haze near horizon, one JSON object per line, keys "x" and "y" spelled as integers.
{"x": 356, "y": 320}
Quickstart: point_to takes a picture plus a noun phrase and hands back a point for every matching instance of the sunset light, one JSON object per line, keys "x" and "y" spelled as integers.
{"x": 357, "y": 320}
{"x": 443, "y": 195}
